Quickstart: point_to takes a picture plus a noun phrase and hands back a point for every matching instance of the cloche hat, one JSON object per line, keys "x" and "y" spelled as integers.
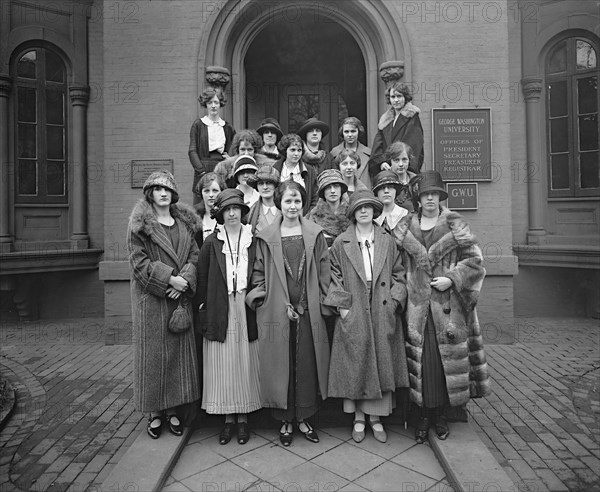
{"x": 311, "y": 123}
{"x": 364, "y": 197}
{"x": 428, "y": 181}
{"x": 265, "y": 173}
{"x": 228, "y": 197}
{"x": 244, "y": 163}
{"x": 386, "y": 178}
{"x": 165, "y": 179}
{"x": 329, "y": 177}
{"x": 270, "y": 124}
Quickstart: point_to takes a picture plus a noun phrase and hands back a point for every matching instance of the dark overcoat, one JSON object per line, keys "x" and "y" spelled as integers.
{"x": 165, "y": 366}
{"x": 455, "y": 254}
{"x": 269, "y": 297}
{"x": 367, "y": 354}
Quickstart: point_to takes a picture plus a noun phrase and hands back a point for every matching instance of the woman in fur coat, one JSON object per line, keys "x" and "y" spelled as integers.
{"x": 400, "y": 123}
{"x": 163, "y": 256}
{"x": 330, "y": 211}
{"x": 444, "y": 268}
{"x": 368, "y": 291}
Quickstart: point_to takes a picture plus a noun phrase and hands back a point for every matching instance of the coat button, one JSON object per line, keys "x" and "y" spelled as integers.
{"x": 384, "y": 302}
{"x": 450, "y": 335}
{"x": 383, "y": 284}
{"x": 446, "y": 310}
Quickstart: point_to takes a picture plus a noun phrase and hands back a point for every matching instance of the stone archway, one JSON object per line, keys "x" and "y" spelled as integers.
{"x": 375, "y": 26}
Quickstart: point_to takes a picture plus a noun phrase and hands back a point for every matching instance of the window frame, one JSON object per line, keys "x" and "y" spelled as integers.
{"x": 41, "y": 85}
{"x": 570, "y": 76}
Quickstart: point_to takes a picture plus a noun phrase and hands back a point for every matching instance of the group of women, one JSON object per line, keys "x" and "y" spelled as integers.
{"x": 302, "y": 274}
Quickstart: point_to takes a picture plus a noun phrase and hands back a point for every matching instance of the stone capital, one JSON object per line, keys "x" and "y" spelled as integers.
{"x": 532, "y": 88}
{"x": 5, "y": 85}
{"x": 79, "y": 95}
{"x": 391, "y": 71}
{"x": 217, "y": 77}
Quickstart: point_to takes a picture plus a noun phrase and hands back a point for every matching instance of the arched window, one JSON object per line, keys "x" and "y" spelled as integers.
{"x": 41, "y": 174}
{"x": 572, "y": 109}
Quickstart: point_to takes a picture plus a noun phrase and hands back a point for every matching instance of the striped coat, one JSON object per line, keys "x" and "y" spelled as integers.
{"x": 454, "y": 254}
{"x": 165, "y": 372}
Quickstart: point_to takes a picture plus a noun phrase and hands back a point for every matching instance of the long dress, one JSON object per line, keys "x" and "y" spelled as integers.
{"x": 302, "y": 400}
{"x": 231, "y": 368}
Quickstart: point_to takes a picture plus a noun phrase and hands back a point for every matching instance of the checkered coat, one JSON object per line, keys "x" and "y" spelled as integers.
{"x": 454, "y": 254}
{"x": 165, "y": 366}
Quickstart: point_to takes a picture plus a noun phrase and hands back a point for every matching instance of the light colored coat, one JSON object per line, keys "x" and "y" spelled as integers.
{"x": 367, "y": 355}
{"x": 269, "y": 296}
{"x": 454, "y": 254}
{"x": 165, "y": 366}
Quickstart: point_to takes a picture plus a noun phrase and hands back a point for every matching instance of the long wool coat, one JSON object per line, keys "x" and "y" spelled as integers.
{"x": 367, "y": 355}
{"x": 165, "y": 366}
{"x": 269, "y": 297}
{"x": 454, "y": 254}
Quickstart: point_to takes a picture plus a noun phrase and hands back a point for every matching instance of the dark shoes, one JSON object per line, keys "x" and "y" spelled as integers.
{"x": 308, "y": 431}
{"x": 174, "y": 425}
{"x": 226, "y": 433}
{"x": 243, "y": 432}
{"x": 441, "y": 428}
{"x": 285, "y": 434}
{"x": 154, "y": 427}
{"x": 422, "y": 430}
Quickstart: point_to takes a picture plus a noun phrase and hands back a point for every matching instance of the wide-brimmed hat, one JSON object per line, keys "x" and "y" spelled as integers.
{"x": 364, "y": 197}
{"x": 389, "y": 178}
{"x": 265, "y": 173}
{"x": 270, "y": 124}
{"x": 431, "y": 181}
{"x": 228, "y": 197}
{"x": 327, "y": 178}
{"x": 165, "y": 179}
{"x": 311, "y": 123}
{"x": 244, "y": 163}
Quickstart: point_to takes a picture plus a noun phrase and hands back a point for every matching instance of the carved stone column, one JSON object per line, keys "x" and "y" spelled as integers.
{"x": 79, "y": 96}
{"x": 532, "y": 90}
{"x": 6, "y": 240}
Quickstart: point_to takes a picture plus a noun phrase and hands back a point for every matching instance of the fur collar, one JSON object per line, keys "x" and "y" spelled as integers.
{"x": 408, "y": 111}
{"x": 143, "y": 219}
{"x": 334, "y": 223}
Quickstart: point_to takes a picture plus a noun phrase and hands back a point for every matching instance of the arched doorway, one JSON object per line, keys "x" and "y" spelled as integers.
{"x": 300, "y": 70}
{"x": 375, "y": 27}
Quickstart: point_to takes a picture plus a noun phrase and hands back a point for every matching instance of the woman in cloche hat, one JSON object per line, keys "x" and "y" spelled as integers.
{"x": 444, "y": 274}
{"x": 264, "y": 211}
{"x": 312, "y": 133}
{"x": 368, "y": 291}
{"x": 271, "y": 133}
{"x": 163, "y": 256}
{"x": 230, "y": 350}
{"x": 386, "y": 187}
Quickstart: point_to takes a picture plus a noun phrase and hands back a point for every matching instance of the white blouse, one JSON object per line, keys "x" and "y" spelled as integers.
{"x": 236, "y": 261}
{"x": 216, "y": 134}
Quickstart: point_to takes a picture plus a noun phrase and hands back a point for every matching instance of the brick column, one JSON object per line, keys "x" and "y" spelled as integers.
{"x": 6, "y": 239}
{"x": 79, "y": 96}
{"x": 532, "y": 89}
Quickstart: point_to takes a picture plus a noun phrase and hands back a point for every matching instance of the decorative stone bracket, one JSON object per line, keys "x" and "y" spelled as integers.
{"x": 217, "y": 77}
{"x": 390, "y": 71}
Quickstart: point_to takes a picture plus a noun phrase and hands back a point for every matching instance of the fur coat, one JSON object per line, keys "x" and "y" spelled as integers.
{"x": 333, "y": 223}
{"x": 165, "y": 366}
{"x": 367, "y": 355}
{"x": 455, "y": 254}
{"x": 408, "y": 129}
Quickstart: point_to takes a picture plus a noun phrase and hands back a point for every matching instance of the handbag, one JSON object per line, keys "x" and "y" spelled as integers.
{"x": 181, "y": 319}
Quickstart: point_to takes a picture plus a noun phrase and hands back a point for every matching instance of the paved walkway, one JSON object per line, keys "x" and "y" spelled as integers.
{"x": 74, "y": 419}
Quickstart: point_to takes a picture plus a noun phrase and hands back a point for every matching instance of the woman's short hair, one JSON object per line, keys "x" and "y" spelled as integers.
{"x": 396, "y": 148}
{"x": 400, "y": 87}
{"x": 288, "y": 184}
{"x": 209, "y": 93}
{"x": 207, "y": 179}
{"x": 345, "y": 153}
{"x": 249, "y": 136}
{"x": 287, "y": 140}
{"x": 355, "y": 122}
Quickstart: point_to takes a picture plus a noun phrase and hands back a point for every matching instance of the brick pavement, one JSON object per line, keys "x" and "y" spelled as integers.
{"x": 542, "y": 422}
{"x": 75, "y": 419}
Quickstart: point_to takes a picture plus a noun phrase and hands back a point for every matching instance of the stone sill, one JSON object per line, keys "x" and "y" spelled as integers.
{"x": 558, "y": 256}
{"x": 40, "y": 261}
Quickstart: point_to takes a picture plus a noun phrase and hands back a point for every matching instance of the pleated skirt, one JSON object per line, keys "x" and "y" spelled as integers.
{"x": 231, "y": 369}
